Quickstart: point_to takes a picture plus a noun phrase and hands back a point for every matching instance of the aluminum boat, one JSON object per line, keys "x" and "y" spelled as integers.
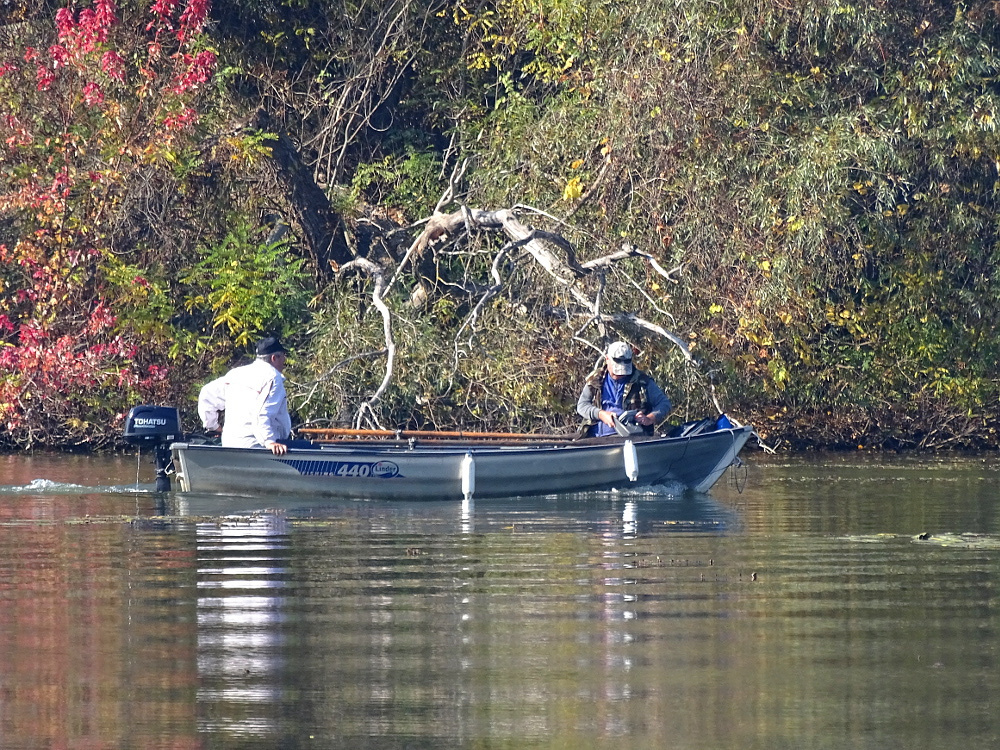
{"x": 423, "y": 471}
{"x": 436, "y": 465}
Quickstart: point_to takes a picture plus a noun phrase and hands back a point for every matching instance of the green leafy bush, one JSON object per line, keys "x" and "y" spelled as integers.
{"x": 247, "y": 287}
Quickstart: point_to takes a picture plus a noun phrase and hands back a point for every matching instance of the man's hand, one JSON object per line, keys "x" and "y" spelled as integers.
{"x": 646, "y": 419}
{"x": 607, "y": 417}
{"x": 278, "y": 449}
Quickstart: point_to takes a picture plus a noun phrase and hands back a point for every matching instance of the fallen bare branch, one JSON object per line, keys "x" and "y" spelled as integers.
{"x": 365, "y": 265}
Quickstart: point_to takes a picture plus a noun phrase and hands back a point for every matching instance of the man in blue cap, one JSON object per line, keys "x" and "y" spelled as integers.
{"x": 255, "y": 401}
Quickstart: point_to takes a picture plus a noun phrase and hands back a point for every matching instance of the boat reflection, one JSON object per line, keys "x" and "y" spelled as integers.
{"x": 241, "y": 598}
{"x": 633, "y": 513}
{"x": 468, "y": 515}
{"x": 629, "y": 519}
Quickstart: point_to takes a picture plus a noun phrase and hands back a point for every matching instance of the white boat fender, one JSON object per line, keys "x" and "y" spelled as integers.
{"x": 631, "y": 460}
{"x": 468, "y": 476}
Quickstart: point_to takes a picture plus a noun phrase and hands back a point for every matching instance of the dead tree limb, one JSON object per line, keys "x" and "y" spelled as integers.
{"x": 630, "y": 251}
{"x": 566, "y": 273}
{"x": 490, "y": 293}
{"x": 366, "y": 266}
{"x": 629, "y": 321}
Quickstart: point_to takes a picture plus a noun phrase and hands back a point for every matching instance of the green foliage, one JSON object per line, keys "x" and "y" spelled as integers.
{"x": 247, "y": 287}
{"x": 410, "y": 181}
{"x": 503, "y": 374}
{"x": 143, "y": 298}
{"x": 825, "y": 172}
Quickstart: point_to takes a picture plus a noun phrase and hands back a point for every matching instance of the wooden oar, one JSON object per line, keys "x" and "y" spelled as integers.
{"x": 334, "y": 433}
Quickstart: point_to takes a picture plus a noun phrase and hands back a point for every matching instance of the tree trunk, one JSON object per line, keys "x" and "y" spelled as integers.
{"x": 319, "y": 225}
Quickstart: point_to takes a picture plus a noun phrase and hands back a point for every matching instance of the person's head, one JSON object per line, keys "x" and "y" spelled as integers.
{"x": 271, "y": 351}
{"x": 619, "y": 359}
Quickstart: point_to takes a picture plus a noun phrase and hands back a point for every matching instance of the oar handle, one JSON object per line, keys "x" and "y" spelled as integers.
{"x": 328, "y": 432}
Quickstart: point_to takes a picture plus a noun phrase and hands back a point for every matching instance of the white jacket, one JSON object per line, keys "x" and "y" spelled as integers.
{"x": 256, "y": 406}
{"x": 212, "y": 400}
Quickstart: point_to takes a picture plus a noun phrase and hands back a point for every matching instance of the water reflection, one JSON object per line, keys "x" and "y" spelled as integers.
{"x": 629, "y": 525}
{"x": 240, "y": 601}
{"x": 91, "y": 622}
{"x": 804, "y": 612}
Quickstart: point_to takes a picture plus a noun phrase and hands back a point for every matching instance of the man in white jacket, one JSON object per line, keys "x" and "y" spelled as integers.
{"x": 212, "y": 400}
{"x": 255, "y": 402}
{"x": 211, "y": 403}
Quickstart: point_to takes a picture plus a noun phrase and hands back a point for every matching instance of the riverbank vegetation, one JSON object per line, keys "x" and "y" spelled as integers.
{"x": 790, "y": 209}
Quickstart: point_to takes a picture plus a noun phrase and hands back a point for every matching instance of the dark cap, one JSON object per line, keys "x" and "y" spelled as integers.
{"x": 270, "y": 345}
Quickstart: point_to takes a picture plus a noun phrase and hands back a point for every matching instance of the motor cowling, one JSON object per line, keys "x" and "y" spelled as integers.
{"x": 155, "y": 427}
{"x": 152, "y": 425}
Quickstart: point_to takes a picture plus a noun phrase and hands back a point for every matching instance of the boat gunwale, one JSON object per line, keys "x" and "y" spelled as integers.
{"x": 476, "y": 448}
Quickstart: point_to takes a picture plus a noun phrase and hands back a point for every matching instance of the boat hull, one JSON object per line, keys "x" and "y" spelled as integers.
{"x": 393, "y": 472}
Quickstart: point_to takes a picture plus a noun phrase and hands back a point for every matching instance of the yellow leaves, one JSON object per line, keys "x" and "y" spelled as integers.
{"x": 785, "y": 317}
{"x": 835, "y": 315}
{"x": 229, "y": 321}
{"x": 715, "y": 309}
{"x": 248, "y": 150}
{"x": 692, "y": 340}
{"x": 576, "y": 164}
{"x": 572, "y": 190}
{"x": 788, "y": 225}
{"x": 568, "y": 63}
{"x": 482, "y": 61}
{"x": 195, "y": 301}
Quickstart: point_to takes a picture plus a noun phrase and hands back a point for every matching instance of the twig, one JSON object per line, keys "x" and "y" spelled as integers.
{"x": 490, "y": 293}
{"x": 450, "y": 192}
{"x": 342, "y": 363}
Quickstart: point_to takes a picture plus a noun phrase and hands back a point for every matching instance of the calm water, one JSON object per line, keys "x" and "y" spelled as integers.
{"x": 797, "y": 607}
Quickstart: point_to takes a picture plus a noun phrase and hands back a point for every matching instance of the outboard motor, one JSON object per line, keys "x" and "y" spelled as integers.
{"x": 157, "y": 427}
